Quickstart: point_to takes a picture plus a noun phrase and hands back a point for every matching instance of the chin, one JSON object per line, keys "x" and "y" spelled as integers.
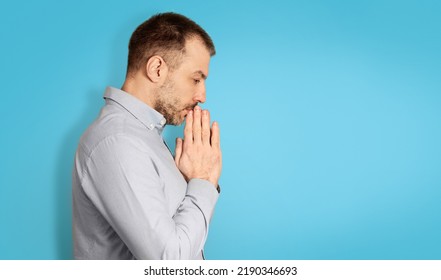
{"x": 177, "y": 122}
{"x": 181, "y": 121}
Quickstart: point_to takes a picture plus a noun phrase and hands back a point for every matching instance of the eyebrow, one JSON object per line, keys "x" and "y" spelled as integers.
{"x": 201, "y": 73}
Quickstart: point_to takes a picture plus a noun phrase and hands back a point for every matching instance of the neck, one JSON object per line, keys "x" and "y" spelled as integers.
{"x": 138, "y": 88}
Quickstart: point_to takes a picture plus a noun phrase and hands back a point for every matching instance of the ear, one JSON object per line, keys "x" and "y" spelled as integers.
{"x": 156, "y": 69}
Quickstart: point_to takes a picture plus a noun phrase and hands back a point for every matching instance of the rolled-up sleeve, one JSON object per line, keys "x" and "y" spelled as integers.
{"x": 122, "y": 181}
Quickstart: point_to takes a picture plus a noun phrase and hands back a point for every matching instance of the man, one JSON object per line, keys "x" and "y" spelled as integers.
{"x": 131, "y": 198}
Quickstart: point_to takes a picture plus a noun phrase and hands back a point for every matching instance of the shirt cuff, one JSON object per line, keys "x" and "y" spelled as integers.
{"x": 205, "y": 194}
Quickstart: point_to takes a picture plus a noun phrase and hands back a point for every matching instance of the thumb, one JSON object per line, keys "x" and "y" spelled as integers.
{"x": 178, "y": 150}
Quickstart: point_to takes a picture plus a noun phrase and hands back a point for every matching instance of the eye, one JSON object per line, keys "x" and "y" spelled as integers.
{"x": 196, "y": 81}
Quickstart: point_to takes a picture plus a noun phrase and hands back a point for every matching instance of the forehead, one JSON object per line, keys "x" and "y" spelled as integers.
{"x": 197, "y": 58}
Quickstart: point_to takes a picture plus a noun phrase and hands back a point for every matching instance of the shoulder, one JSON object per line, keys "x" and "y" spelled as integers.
{"x": 116, "y": 134}
{"x": 115, "y": 128}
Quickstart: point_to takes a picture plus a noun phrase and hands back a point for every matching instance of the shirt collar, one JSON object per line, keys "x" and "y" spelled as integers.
{"x": 149, "y": 117}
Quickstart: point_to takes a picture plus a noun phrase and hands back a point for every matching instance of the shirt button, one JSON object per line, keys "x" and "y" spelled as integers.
{"x": 162, "y": 121}
{"x": 151, "y": 126}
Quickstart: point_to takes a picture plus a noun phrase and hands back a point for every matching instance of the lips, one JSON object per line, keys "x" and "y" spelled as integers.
{"x": 192, "y": 107}
{"x": 188, "y": 109}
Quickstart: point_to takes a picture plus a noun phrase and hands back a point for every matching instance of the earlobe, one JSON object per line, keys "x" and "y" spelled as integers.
{"x": 156, "y": 69}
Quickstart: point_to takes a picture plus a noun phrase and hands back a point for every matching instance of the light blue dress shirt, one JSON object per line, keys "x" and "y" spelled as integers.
{"x": 130, "y": 201}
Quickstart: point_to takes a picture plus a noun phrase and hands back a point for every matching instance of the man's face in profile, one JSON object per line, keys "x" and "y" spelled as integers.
{"x": 185, "y": 86}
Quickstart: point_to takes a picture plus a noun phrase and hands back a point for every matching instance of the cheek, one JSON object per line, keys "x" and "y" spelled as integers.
{"x": 187, "y": 94}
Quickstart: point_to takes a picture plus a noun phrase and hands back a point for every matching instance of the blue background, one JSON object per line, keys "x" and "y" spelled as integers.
{"x": 330, "y": 114}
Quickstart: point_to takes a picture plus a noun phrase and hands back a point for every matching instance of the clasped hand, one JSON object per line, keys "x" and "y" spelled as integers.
{"x": 198, "y": 155}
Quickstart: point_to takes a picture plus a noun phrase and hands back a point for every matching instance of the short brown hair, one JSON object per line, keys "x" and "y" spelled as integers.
{"x": 165, "y": 35}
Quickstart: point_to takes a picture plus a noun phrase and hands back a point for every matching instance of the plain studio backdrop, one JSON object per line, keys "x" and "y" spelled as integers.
{"x": 330, "y": 117}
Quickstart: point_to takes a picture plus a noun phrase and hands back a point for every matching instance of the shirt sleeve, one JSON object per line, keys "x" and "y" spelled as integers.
{"x": 122, "y": 181}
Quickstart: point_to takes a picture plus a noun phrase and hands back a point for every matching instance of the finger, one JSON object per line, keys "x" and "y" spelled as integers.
{"x": 206, "y": 127}
{"x": 197, "y": 125}
{"x": 215, "y": 135}
{"x": 188, "y": 130}
{"x": 178, "y": 150}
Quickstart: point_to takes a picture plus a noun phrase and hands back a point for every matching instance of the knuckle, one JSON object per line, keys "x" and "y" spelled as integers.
{"x": 186, "y": 149}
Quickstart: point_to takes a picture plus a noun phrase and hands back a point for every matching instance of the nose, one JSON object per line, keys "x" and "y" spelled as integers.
{"x": 200, "y": 96}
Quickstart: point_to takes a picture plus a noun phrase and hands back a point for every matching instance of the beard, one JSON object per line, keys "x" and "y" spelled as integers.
{"x": 169, "y": 105}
